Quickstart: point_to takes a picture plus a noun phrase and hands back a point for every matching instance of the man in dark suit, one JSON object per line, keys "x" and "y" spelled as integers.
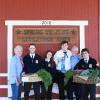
{"x": 32, "y": 63}
{"x": 87, "y": 63}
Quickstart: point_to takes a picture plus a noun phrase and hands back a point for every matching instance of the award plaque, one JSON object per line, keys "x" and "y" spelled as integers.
{"x": 31, "y": 78}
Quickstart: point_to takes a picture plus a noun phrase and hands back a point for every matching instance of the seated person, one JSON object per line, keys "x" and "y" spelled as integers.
{"x": 49, "y": 66}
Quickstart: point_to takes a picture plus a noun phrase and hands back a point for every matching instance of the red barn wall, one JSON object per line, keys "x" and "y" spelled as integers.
{"x": 50, "y": 10}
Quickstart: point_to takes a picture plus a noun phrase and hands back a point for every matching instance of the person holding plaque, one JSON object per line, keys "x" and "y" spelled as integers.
{"x": 62, "y": 61}
{"x": 32, "y": 63}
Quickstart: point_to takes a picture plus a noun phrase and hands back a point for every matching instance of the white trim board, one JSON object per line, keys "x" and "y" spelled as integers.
{"x": 3, "y": 74}
{"x": 3, "y": 86}
{"x": 46, "y": 22}
{"x": 11, "y": 23}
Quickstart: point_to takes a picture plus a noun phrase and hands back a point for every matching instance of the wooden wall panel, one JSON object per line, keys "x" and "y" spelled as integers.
{"x": 3, "y": 48}
{"x": 3, "y": 81}
{"x": 3, "y": 92}
{"x": 58, "y": 9}
{"x": 52, "y": 10}
{"x": 99, "y": 26}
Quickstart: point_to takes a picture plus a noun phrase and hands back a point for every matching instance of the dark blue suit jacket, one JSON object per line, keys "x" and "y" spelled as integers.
{"x": 83, "y": 65}
{"x": 32, "y": 65}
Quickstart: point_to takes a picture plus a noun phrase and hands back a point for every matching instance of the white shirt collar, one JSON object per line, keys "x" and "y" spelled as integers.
{"x": 86, "y": 59}
{"x": 32, "y": 55}
{"x": 64, "y": 51}
{"x": 47, "y": 60}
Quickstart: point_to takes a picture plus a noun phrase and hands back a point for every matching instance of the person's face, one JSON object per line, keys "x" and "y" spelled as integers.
{"x": 19, "y": 52}
{"x": 74, "y": 51}
{"x": 32, "y": 49}
{"x": 64, "y": 46}
{"x": 49, "y": 55}
{"x": 85, "y": 55}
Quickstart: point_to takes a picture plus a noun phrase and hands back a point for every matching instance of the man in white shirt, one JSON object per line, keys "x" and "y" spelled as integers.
{"x": 62, "y": 60}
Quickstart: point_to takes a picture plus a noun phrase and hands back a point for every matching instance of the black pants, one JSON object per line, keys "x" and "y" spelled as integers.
{"x": 49, "y": 92}
{"x": 77, "y": 89}
{"x": 43, "y": 91}
{"x": 60, "y": 82}
{"x": 46, "y": 94}
{"x": 69, "y": 89}
{"x": 36, "y": 87}
{"x": 89, "y": 89}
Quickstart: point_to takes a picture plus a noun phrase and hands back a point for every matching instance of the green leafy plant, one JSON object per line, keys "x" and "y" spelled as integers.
{"x": 68, "y": 75}
{"x": 85, "y": 72}
{"x": 94, "y": 74}
{"x": 91, "y": 73}
{"x": 46, "y": 77}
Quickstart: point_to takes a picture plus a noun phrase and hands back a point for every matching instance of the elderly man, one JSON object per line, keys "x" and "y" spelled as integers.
{"x": 15, "y": 72}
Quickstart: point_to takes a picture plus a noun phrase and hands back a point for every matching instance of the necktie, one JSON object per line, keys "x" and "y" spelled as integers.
{"x": 86, "y": 61}
{"x": 63, "y": 62}
{"x": 21, "y": 62}
{"x": 32, "y": 58}
{"x": 65, "y": 54}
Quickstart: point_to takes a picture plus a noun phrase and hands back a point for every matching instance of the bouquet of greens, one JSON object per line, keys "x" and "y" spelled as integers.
{"x": 91, "y": 73}
{"x": 68, "y": 75}
{"x": 46, "y": 77}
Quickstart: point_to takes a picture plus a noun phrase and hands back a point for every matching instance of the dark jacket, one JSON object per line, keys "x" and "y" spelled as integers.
{"x": 51, "y": 68}
{"x": 32, "y": 65}
{"x": 83, "y": 65}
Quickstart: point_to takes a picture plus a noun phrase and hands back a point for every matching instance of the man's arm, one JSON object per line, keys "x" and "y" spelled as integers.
{"x": 78, "y": 65}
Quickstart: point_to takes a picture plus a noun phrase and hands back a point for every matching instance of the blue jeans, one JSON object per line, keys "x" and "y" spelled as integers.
{"x": 16, "y": 91}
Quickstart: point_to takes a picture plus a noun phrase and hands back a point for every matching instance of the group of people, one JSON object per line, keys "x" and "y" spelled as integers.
{"x": 57, "y": 64}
